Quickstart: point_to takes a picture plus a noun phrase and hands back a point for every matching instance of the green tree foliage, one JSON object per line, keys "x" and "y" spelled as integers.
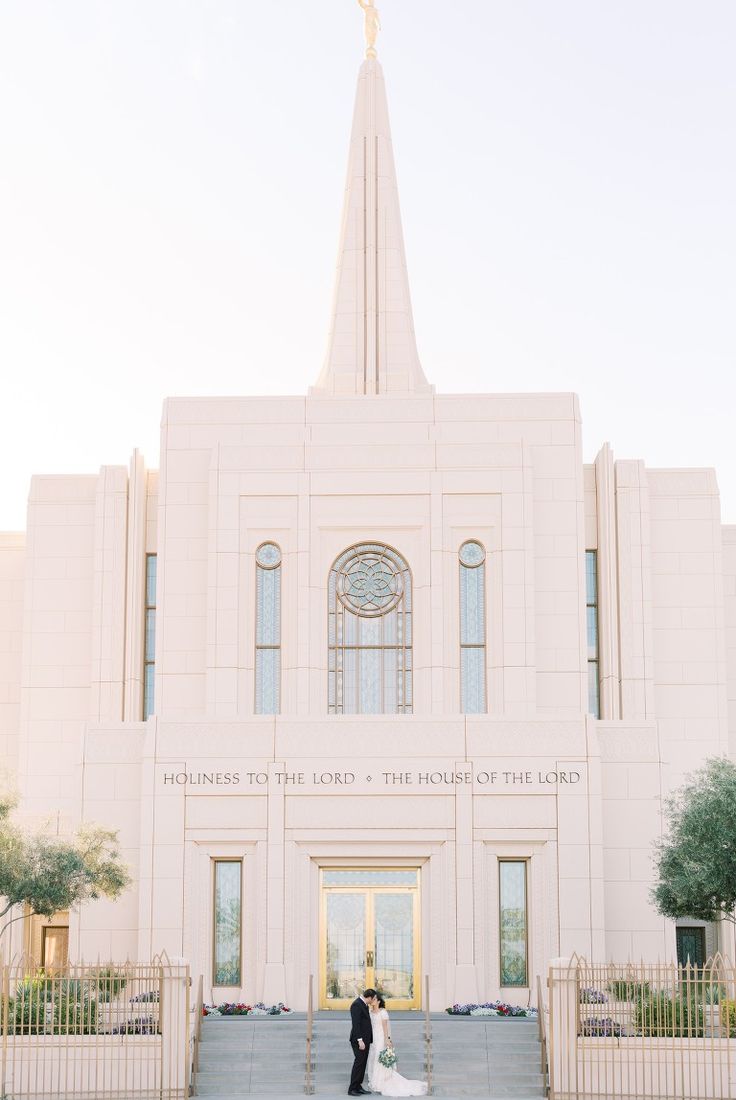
{"x": 696, "y": 862}
{"x": 49, "y": 873}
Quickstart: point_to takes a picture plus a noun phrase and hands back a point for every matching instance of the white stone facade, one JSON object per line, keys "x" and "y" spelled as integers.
{"x": 372, "y": 455}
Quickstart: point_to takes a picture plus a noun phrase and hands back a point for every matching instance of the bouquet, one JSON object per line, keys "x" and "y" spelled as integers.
{"x": 388, "y": 1058}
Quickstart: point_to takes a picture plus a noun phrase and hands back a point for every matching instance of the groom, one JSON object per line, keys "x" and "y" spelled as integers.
{"x": 361, "y": 1034}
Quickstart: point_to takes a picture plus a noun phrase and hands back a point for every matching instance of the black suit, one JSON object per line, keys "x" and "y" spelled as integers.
{"x": 360, "y": 1016}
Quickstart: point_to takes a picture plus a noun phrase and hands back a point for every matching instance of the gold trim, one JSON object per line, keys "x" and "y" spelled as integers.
{"x": 215, "y": 860}
{"x": 526, "y": 860}
{"x": 398, "y": 1004}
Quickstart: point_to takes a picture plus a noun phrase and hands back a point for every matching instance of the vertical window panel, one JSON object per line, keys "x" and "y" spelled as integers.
{"x": 268, "y": 629}
{"x": 369, "y": 631}
{"x": 149, "y": 637}
{"x": 591, "y": 613}
{"x": 472, "y": 557}
{"x": 513, "y": 922}
{"x": 268, "y": 676}
{"x": 228, "y": 921}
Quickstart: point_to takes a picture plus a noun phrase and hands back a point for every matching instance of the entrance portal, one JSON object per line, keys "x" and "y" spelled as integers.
{"x": 369, "y": 936}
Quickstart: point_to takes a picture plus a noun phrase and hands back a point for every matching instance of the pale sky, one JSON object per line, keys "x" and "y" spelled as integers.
{"x": 171, "y": 174}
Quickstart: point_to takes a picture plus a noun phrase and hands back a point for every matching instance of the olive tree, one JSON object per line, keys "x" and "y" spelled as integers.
{"x": 48, "y": 873}
{"x": 696, "y": 861}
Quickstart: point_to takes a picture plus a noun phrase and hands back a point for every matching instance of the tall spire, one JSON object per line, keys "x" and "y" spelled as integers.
{"x": 371, "y": 347}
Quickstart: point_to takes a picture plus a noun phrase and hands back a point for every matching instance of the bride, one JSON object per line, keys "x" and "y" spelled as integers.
{"x": 387, "y": 1081}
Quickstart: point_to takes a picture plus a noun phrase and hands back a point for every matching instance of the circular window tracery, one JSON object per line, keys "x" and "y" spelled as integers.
{"x": 370, "y": 580}
{"x": 472, "y": 554}
{"x": 268, "y": 555}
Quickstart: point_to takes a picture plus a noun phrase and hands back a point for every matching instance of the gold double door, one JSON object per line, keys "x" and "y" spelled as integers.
{"x": 370, "y": 936}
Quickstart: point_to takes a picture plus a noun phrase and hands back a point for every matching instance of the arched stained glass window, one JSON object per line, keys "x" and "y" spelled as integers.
{"x": 268, "y": 629}
{"x": 472, "y": 557}
{"x": 370, "y": 632}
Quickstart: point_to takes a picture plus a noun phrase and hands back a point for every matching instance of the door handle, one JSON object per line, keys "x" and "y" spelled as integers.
{"x": 369, "y": 959}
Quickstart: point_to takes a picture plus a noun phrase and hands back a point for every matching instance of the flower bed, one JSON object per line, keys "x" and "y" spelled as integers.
{"x": 490, "y": 1008}
{"x": 590, "y": 996}
{"x": 600, "y": 1027}
{"x": 230, "y": 1008}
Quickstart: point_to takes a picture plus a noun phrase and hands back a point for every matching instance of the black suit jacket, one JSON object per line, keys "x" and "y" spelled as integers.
{"x": 360, "y": 1016}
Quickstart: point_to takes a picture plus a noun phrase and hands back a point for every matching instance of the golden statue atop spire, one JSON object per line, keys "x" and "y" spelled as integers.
{"x": 372, "y": 26}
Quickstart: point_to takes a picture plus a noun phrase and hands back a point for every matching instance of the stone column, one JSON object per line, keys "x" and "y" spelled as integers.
{"x": 634, "y": 588}
{"x": 608, "y": 606}
{"x": 563, "y": 1027}
{"x": 108, "y": 606}
{"x": 466, "y": 979}
{"x": 135, "y": 591}
{"x": 274, "y": 980}
{"x": 174, "y": 1024}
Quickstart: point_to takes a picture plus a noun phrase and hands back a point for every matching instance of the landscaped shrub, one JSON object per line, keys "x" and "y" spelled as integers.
{"x": 74, "y": 1016}
{"x": 627, "y": 989}
{"x": 110, "y": 982}
{"x": 663, "y": 1016}
{"x": 45, "y": 1007}
{"x": 29, "y": 1012}
{"x": 728, "y": 1018}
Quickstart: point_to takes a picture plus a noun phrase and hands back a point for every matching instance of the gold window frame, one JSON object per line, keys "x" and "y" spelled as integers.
{"x": 215, "y": 860}
{"x": 526, "y": 860}
{"x": 415, "y": 890}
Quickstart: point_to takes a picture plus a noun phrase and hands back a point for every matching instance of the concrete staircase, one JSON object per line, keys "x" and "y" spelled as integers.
{"x": 252, "y": 1056}
{"x": 265, "y": 1056}
{"x": 486, "y": 1056}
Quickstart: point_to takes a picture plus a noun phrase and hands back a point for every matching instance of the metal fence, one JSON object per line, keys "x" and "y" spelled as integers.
{"x": 642, "y": 1032}
{"x": 108, "y": 1032}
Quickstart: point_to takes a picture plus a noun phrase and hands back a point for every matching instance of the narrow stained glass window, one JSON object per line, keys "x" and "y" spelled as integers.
{"x": 370, "y": 632}
{"x": 591, "y": 614}
{"x": 149, "y": 640}
{"x": 513, "y": 922}
{"x": 472, "y": 627}
{"x": 227, "y": 922}
{"x": 268, "y": 629}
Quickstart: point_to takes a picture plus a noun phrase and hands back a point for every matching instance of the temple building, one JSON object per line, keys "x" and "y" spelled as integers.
{"x": 375, "y": 683}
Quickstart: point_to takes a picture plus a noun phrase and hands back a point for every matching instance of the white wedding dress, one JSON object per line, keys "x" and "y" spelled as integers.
{"x": 387, "y": 1081}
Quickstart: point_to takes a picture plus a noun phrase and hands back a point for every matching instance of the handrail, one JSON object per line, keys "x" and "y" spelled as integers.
{"x": 196, "y": 1035}
{"x": 427, "y": 1035}
{"x": 308, "y": 1085}
{"x": 542, "y": 1024}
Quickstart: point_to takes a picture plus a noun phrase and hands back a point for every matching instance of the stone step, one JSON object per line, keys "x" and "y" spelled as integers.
{"x": 530, "y": 1078}
{"x": 250, "y": 1090}
{"x": 241, "y": 1057}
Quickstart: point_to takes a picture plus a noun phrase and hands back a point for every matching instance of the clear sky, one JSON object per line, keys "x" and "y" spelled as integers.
{"x": 171, "y": 174}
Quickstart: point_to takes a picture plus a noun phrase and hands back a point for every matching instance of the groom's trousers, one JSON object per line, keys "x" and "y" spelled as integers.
{"x": 361, "y": 1061}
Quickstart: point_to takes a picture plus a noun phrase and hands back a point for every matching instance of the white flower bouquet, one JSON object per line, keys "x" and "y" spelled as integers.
{"x": 388, "y": 1058}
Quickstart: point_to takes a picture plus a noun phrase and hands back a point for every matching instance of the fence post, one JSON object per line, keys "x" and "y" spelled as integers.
{"x": 4, "y": 1008}
{"x": 563, "y": 1029}
{"x": 174, "y": 1017}
{"x": 428, "y": 1034}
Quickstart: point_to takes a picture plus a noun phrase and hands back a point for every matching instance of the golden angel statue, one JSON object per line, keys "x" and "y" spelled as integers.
{"x": 372, "y": 26}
